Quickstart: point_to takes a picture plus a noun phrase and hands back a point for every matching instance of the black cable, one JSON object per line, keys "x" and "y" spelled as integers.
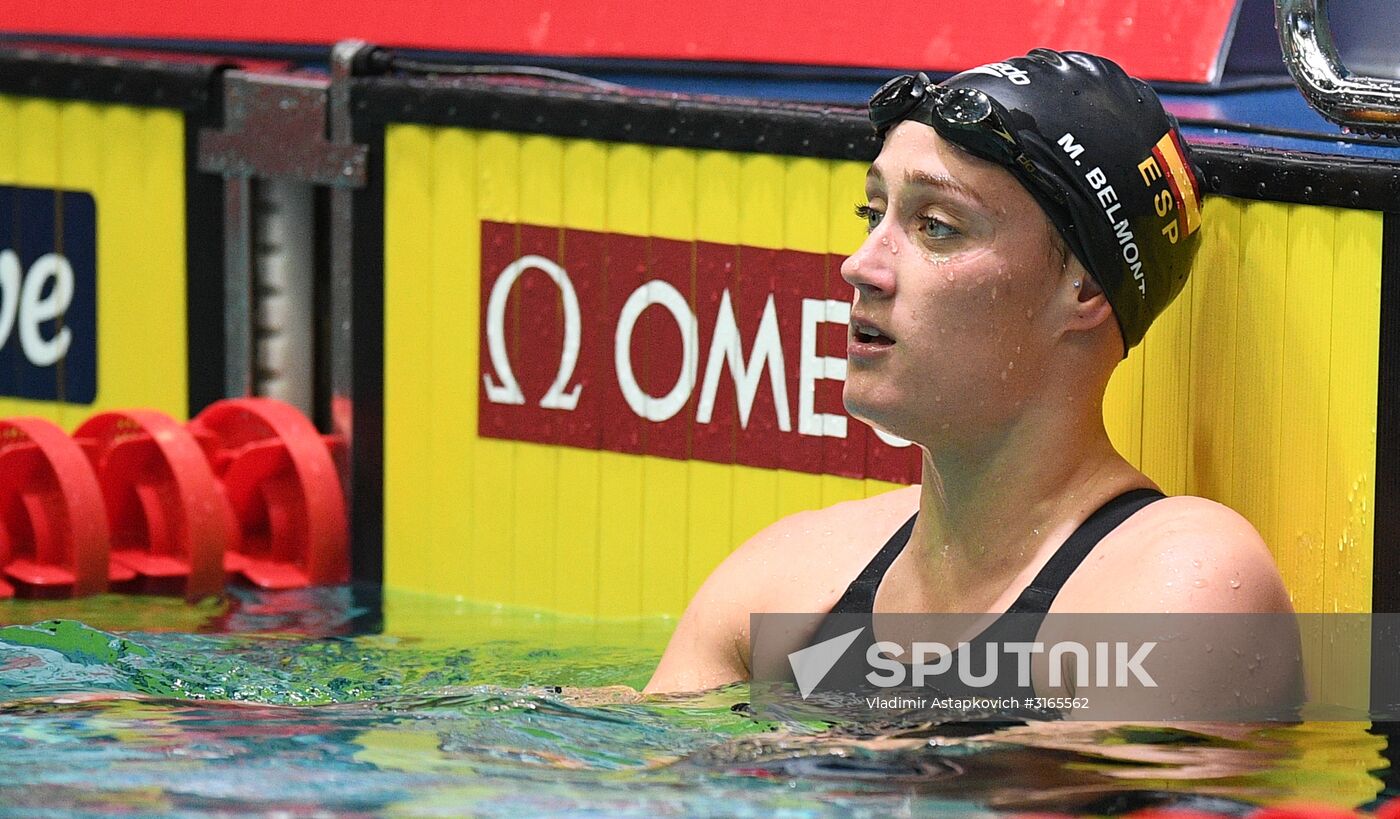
{"x": 405, "y": 64}
{"x": 1279, "y": 131}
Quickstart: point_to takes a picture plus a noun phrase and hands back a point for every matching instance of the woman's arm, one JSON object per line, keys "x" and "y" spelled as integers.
{"x": 710, "y": 645}
{"x": 799, "y": 564}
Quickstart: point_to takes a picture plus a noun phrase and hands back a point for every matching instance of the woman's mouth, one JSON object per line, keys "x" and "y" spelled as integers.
{"x": 867, "y": 341}
{"x": 866, "y": 333}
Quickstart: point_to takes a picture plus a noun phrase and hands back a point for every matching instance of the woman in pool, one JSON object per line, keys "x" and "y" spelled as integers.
{"x": 1027, "y": 221}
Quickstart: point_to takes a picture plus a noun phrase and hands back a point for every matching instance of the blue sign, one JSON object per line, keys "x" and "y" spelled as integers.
{"x": 48, "y": 295}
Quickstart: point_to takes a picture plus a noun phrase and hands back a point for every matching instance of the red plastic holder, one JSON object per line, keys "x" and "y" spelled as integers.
{"x": 170, "y": 522}
{"x": 53, "y": 531}
{"x": 283, "y": 487}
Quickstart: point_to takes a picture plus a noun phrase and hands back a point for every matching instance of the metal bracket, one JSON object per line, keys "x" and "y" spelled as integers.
{"x": 346, "y": 57}
{"x": 275, "y": 126}
{"x": 1367, "y": 104}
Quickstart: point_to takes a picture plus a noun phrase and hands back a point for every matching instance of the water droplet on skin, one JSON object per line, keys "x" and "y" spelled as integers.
{"x": 1029, "y": 312}
{"x": 1196, "y": 563}
{"x": 1234, "y": 584}
{"x": 1209, "y": 648}
{"x": 1003, "y": 375}
{"x": 1010, "y": 365}
{"x": 994, "y": 293}
{"x": 1199, "y": 583}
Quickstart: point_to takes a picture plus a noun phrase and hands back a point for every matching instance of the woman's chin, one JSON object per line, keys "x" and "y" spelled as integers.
{"x": 876, "y": 415}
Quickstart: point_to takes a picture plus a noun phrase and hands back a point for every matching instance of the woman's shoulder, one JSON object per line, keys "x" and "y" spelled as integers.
{"x": 803, "y": 562}
{"x": 1179, "y": 554}
{"x": 800, "y": 564}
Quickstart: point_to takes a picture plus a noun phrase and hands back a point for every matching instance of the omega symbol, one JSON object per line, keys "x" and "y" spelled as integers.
{"x": 508, "y": 390}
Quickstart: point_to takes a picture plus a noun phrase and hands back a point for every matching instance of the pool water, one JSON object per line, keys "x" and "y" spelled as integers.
{"x": 340, "y": 701}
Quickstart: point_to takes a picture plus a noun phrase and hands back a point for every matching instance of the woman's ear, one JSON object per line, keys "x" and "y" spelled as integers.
{"x": 1090, "y": 307}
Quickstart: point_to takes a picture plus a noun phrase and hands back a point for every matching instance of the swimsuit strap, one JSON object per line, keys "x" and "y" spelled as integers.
{"x": 860, "y": 595}
{"x": 1038, "y": 596}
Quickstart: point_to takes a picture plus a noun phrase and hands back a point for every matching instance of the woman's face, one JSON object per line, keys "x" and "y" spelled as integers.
{"x": 959, "y": 276}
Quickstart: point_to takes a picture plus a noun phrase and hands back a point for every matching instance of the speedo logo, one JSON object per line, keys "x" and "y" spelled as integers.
{"x": 1003, "y": 70}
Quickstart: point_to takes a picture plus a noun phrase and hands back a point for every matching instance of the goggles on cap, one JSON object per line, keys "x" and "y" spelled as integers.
{"x": 967, "y": 117}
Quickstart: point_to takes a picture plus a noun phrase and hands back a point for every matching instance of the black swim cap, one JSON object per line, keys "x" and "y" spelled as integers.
{"x": 1102, "y": 157}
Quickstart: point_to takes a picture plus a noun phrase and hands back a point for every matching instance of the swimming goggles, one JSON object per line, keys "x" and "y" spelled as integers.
{"x": 967, "y": 117}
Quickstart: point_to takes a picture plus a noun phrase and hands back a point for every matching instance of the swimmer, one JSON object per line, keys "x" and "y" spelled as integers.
{"x": 1027, "y": 221}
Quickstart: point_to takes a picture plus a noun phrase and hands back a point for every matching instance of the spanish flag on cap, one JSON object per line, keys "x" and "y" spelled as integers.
{"x": 1182, "y": 180}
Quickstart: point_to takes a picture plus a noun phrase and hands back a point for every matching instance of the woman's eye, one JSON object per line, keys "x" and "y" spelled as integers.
{"x": 935, "y": 228}
{"x": 871, "y": 216}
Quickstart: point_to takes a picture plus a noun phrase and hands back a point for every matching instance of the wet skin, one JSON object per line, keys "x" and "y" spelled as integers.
{"x": 960, "y": 271}
{"x": 970, "y": 337}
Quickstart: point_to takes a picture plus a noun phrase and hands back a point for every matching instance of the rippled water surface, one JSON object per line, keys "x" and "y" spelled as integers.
{"x": 336, "y": 701}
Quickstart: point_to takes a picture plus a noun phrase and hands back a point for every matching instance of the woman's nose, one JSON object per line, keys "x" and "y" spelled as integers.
{"x": 870, "y": 269}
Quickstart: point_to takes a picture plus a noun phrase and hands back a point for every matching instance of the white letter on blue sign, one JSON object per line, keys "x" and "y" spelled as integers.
{"x": 33, "y": 309}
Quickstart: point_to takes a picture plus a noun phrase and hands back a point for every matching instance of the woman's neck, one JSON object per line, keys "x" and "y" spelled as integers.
{"x": 985, "y": 516}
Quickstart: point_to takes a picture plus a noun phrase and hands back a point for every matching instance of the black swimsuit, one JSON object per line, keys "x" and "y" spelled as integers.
{"x": 1020, "y": 623}
{"x": 1037, "y": 597}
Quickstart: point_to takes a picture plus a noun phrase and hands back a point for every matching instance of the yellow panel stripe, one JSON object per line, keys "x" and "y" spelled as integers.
{"x": 805, "y": 210}
{"x": 710, "y": 528}
{"x": 762, "y": 194}
{"x": 1166, "y": 395}
{"x": 1214, "y": 353}
{"x": 580, "y": 524}
{"x": 452, "y": 340}
{"x": 1306, "y": 334}
{"x": 1353, "y": 388}
{"x": 1259, "y": 334}
{"x": 493, "y": 465}
{"x": 622, "y": 483}
{"x": 408, "y": 317}
{"x": 666, "y": 483}
{"x": 537, "y": 466}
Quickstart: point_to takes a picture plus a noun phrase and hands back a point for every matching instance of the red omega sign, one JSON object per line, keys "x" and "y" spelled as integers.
{"x": 687, "y": 350}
